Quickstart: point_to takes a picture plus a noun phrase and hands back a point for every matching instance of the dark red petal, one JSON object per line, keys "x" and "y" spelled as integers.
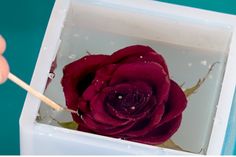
{"x": 148, "y": 126}
{"x": 105, "y": 73}
{"x": 146, "y": 58}
{"x": 89, "y": 93}
{"x": 135, "y": 98}
{"x": 77, "y": 76}
{"x": 136, "y": 53}
{"x": 81, "y": 107}
{"x": 104, "y": 129}
{"x": 160, "y": 134}
{"x": 153, "y": 74}
{"x": 99, "y": 113}
{"x": 101, "y": 80}
{"x": 113, "y": 112}
{"x": 176, "y": 103}
{"x": 84, "y": 128}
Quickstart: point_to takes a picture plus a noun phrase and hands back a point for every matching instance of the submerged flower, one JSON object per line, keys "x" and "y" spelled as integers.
{"x": 127, "y": 95}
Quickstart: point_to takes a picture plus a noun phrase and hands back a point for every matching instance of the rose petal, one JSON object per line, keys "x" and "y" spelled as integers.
{"x": 146, "y": 58}
{"x": 84, "y": 128}
{"x": 134, "y": 71}
{"x": 153, "y": 74}
{"x": 160, "y": 134}
{"x": 99, "y": 113}
{"x": 142, "y": 128}
{"x": 105, "y": 73}
{"x": 104, "y": 129}
{"x": 77, "y": 76}
{"x": 134, "y": 98}
{"x": 81, "y": 107}
{"x": 136, "y": 53}
{"x": 176, "y": 103}
{"x": 101, "y": 79}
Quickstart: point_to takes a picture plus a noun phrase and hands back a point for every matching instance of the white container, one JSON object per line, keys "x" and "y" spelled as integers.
{"x": 189, "y": 39}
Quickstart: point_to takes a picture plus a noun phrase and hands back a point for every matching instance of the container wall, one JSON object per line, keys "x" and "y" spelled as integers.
{"x": 189, "y": 45}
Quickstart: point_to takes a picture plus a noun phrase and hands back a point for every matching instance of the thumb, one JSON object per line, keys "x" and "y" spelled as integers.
{"x": 2, "y": 44}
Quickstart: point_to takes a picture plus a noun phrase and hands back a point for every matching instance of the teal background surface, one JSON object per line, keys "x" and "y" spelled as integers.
{"x": 23, "y": 24}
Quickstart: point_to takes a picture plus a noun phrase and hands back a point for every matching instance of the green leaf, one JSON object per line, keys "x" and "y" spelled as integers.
{"x": 69, "y": 125}
{"x": 189, "y": 91}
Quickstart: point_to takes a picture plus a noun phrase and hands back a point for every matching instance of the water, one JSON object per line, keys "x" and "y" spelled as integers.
{"x": 186, "y": 65}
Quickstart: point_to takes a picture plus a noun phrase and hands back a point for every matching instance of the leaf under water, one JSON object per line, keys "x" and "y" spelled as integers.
{"x": 189, "y": 91}
{"x": 69, "y": 125}
{"x": 171, "y": 145}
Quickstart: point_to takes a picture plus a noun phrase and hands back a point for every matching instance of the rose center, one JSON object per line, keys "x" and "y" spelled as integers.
{"x": 128, "y": 101}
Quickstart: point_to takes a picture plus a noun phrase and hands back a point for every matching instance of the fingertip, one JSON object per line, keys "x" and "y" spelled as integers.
{"x": 2, "y": 44}
{"x": 4, "y": 69}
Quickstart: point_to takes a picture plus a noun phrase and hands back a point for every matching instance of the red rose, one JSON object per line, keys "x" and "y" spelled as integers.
{"x": 126, "y": 95}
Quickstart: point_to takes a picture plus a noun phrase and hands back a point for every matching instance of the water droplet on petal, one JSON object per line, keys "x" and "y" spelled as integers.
{"x": 120, "y": 97}
{"x": 133, "y": 108}
{"x": 141, "y": 57}
{"x": 81, "y": 116}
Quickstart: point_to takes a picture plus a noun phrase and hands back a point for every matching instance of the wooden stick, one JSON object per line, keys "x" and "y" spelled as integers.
{"x": 35, "y": 93}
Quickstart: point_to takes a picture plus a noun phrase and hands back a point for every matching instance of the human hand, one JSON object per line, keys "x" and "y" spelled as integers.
{"x": 4, "y": 68}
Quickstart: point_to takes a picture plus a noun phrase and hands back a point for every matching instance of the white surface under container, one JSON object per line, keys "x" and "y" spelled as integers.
{"x": 189, "y": 39}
